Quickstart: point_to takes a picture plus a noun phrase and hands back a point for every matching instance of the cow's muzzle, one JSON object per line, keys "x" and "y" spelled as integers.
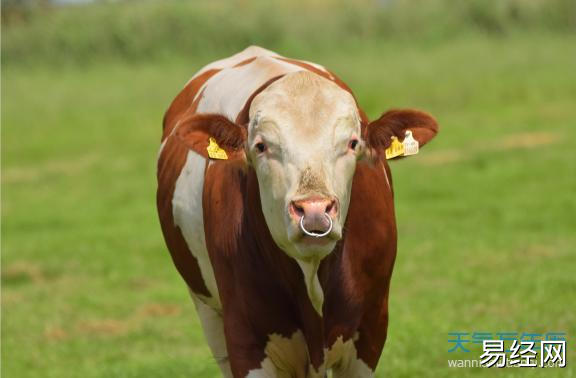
{"x": 315, "y": 216}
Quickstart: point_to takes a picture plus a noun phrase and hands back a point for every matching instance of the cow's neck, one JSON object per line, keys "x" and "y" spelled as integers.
{"x": 278, "y": 259}
{"x": 299, "y": 282}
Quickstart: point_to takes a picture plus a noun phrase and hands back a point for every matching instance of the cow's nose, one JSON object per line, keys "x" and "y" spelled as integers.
{"x": 315, "y": 212}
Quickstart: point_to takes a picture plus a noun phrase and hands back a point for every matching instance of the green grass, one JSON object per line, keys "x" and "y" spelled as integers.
{"x": 485, "y": 212}
{"x": 156, "y": 29}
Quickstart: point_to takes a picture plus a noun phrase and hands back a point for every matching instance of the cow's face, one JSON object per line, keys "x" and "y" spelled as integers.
{"x": 303, "y": 142}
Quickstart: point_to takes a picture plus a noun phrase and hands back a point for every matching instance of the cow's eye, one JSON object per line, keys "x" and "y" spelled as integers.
{"x": 353, "y": 144}
{"x": 260, "y": 147}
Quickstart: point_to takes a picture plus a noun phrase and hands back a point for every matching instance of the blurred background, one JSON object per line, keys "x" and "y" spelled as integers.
{"x": 486, "y": 213}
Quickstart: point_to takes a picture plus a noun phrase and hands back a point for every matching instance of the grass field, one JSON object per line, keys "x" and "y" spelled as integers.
{"x": 486, "y": 212}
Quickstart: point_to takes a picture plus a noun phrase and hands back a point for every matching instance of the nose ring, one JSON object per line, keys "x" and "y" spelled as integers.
{"x": 315, "y": 234}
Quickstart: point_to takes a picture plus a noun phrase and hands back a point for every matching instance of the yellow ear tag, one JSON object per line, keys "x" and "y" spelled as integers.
{"x": 396, "y": 148}
{"x": 214, "y": 150}
{"x": 411, "y": 145}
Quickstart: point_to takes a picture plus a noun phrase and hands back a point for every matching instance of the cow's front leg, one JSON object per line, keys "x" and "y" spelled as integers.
{"x": 213, "y": 327}
{"x": 269, "y": 354}
{"x": 344, "y": 360}
{"x": 352, "y": 367}
{"x": 362, "y": 357}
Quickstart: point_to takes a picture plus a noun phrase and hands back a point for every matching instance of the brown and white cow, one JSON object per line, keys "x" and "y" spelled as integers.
{"x": 287, "y": 237}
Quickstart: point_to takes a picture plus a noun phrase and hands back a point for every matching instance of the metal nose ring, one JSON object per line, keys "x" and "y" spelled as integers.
{"x": 314, "y": 234}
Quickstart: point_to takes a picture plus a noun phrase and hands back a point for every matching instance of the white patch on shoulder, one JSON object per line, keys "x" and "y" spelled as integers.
{"x": 342, "y": 358}
{"x": 285, "y": 358}
{"x": 242, "y": 82}
{"x": 213, "y": 327}
{"x": 188, "y": 215}
{"x": 231, "y": 61}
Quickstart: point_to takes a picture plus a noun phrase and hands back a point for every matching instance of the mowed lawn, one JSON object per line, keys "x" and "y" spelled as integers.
{"x": 486, "y": 213}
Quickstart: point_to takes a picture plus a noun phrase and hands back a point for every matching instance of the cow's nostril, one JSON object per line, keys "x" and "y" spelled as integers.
{"x": 330, "y": 207}
{"x": 298, "y": 210}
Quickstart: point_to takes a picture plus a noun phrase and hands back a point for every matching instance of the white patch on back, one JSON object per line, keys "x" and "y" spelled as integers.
{"x": 188, "y": 215}
{"x": 231, "y": 61}
{"x": 226, "y": 92}
{"x": 248, "y": 53}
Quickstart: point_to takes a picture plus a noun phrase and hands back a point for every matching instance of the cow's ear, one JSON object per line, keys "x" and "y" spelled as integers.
{"x": 379, "y": 133}
{"x": 212, "y": 136}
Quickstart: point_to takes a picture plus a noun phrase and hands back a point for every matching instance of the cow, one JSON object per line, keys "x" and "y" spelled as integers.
{"x": 276, "y": 203}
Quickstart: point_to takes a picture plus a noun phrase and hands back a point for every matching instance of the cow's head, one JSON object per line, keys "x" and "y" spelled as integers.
{"x": 303, "y": 139}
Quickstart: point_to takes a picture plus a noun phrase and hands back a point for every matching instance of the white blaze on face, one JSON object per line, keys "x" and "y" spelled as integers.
{"x": 306, "y": 123}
